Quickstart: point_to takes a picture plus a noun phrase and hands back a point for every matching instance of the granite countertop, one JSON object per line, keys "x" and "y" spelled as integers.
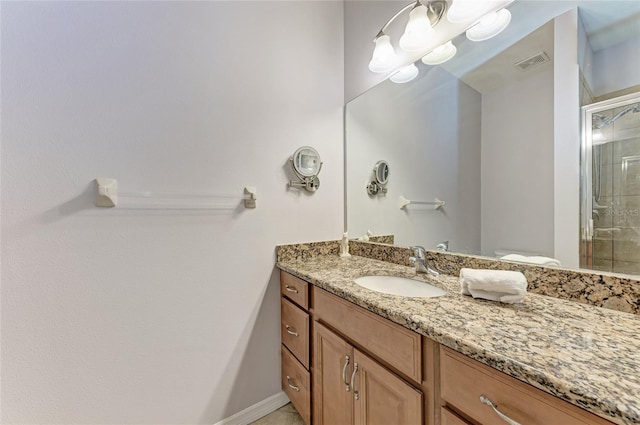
{"x": 586, "y": 355}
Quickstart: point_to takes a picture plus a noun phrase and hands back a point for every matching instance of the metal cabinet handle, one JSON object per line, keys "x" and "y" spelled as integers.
{"x": 291, "y": 385}
{"x": 289, "y": 331}
{"x": 344, "y": 373}
{"x": 353, "y": 378}
{"x": 290, "y": 289}
{"x": 484, "y": 399}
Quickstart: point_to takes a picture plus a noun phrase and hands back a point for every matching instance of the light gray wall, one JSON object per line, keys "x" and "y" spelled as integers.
{"x": 566, "y": 157}
{"x": 517, "y": 166}
{"x": 149, "y": 317}
{"x": 429, "y": 132}
{"x": 617, "y": 67}
{"x": 585, "y": 56}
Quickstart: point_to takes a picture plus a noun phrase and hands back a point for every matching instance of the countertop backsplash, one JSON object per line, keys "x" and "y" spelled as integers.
{"x": 600, "y": 289}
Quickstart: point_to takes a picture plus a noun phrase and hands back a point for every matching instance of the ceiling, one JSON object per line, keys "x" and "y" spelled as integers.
{"x": 611, "y": 22}
{"x": 500, "y": 71}
{"x": 488, "y": 65}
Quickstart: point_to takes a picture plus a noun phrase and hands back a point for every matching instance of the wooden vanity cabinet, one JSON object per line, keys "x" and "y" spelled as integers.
{"x": 450, "y": 418}
{"x": 295, "y": 343}
{"x": 381, "y": 397}
{"x": 395, "y": 346}
{"x": 349, "y": 386}
{"x": 401, "y": 378}
{"x": 332, "y": 370}
{"x": 463, "y": 381}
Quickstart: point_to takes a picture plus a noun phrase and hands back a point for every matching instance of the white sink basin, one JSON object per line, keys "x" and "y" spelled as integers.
{"x": 399, "y": 286}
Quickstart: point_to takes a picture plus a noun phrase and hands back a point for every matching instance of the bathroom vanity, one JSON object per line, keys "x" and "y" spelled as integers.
{"x": 352, "y": 355}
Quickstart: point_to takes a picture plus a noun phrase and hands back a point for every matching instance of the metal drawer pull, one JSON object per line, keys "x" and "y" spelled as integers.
{"x": 353, "y": 378}
{"x": 290, "y": 385}
{"x": 290, "y": 289}
{"x": 484, "y": 399}
{"x": 344, "y": 373}
{"x": 289, "y": 331}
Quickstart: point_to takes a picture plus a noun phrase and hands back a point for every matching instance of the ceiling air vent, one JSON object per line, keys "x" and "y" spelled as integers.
{"x": 533, "y": 61}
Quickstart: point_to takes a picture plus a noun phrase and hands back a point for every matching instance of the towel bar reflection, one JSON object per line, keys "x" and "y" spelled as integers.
{"x": 108, "y": 196}
{"x": 436, "y": 203}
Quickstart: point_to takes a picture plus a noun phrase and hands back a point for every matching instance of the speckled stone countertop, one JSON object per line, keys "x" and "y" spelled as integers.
{"x": 586, "y": 355}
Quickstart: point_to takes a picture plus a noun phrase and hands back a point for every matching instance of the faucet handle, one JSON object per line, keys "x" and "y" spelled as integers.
{"x": 418, "y": 251}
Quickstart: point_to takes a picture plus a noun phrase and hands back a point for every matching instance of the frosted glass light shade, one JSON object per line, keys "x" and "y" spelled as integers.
{"x": 464, "y": 10}
{"x": 418, "y": 31}
{"x": 490, "y": 25}
{"x": 405, "y": 74}
{"x": 440, "y": 54}
{"x": 383, "y": 55}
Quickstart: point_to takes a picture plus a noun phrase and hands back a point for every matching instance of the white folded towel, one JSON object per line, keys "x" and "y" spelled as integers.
{"x": 533, "y": 259}
{"x": 496, "y": 285}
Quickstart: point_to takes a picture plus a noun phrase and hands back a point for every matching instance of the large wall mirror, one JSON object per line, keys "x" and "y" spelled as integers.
{"x": 498, "y": 143}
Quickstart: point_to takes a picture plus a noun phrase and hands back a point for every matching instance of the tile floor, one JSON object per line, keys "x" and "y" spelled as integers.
{"x": 286, "y": 415}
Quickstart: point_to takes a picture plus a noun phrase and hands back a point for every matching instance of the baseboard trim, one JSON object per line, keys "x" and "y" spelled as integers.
{"x": 258, "y": 410}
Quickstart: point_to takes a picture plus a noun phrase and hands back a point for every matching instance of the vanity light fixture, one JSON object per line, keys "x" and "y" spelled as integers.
{"x": 462, "y": 11}
{"x": 405, "y": 74}
{"x": 490, "y": 25}
{"x": 418, "y": 31}
{"x": 482, "y": 19}
{"x": 306, "y": 165}
{"x": 440, "y": 54}
{"x": 424, "y": 15}
{"x": 384, "y": 56}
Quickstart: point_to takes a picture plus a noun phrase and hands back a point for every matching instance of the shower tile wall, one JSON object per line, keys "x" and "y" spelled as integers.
{"x": 616, "y": 243}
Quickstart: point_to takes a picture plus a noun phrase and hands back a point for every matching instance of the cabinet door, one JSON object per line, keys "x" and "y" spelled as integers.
{"x": 332, "y": 368}
{"x": 382, "y": 398}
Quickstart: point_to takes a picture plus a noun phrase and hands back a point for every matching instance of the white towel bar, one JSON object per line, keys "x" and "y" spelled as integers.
{"x": 108, "y": 196}
{"x": 436, "y": 203}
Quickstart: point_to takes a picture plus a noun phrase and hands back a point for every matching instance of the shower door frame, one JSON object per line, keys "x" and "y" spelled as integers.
{"x": 586, "y": 171}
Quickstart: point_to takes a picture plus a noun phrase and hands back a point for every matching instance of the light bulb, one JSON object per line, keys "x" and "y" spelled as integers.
{"x": 418, "y": 31}
{"x": 490, "y": 25}
{"x": 597, "y": 137}
{"x": 405, "y": 74}
{"x": 440, "y": 54}
{"x": 383, "y": 55}
{"x": 464, "y": 10}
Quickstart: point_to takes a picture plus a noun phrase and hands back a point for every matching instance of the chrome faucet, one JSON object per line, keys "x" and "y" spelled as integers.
{"x": 419, "y": 259}
{"x": 443, "y": 246}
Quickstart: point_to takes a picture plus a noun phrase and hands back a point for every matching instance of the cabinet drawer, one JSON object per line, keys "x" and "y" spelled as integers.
{"x": 390, "y": 343}
{"x": 464, "y": 380}
{"x": 294, "y": 330}
{"x": 296, "y": 383}
{"x": 295, "y": 289}
{"x": 449, "y": 418}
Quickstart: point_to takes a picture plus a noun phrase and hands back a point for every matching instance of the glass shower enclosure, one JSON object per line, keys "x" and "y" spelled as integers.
{"x": 610, "y": 210}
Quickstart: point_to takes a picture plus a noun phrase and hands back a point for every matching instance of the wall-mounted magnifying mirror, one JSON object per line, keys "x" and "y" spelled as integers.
{"x": 306, "y": 164}
{"x": 380, "y": 178}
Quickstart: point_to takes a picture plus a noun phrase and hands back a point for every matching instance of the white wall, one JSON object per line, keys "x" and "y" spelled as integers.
{"x": 428, "y": 131}
{"x": 617, "y": 67}
{"x": 585, "y": 57}
{"x": 566, "y": 110}
{"x": 123, "y": 317}
{"x": 517, "y": 166}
